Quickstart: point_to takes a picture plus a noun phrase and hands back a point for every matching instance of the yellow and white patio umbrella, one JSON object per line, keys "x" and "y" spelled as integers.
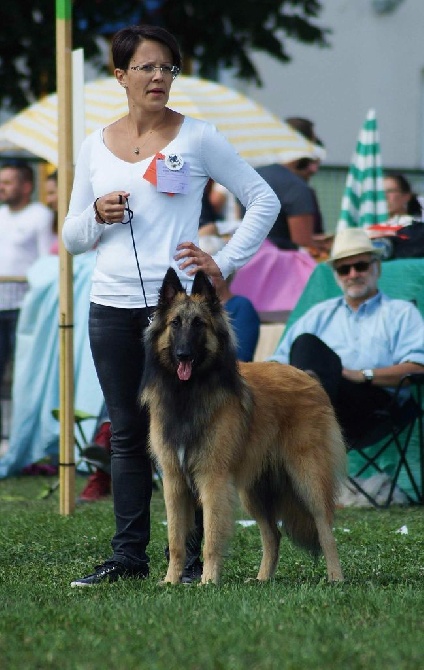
{"x": 258, "y": 135}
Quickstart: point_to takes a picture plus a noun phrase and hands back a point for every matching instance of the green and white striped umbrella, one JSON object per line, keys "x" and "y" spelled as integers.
{"x": 364, "y": 200}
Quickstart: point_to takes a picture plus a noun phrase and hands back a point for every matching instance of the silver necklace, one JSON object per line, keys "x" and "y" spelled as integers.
{"x": 138, "y": 148}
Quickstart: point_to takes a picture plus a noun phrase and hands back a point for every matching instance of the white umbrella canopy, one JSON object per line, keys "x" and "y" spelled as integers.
{"x": 257, "y": 135}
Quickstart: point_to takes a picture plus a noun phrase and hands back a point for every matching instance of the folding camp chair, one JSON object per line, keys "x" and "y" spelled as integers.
{"x": 394, "y": 430}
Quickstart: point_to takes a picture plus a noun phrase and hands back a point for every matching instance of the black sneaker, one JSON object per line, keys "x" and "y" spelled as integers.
{"x": 110, "y": 571}
{"x": 192, "y": 572}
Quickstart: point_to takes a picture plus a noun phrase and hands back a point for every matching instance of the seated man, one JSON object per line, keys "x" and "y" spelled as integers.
{"x": 361, "y": 344}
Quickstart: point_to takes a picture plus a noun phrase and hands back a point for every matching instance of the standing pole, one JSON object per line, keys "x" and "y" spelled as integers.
{"x": 65, "y": 178}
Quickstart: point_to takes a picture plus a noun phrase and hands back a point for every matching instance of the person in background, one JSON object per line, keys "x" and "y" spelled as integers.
{"x": 208, "y": 215}
{"x": 276, "y": 276}
{"x": 358, "y": 345}
{"x": 306, "y": 168}
{"x": 25, "y": 234}
{"x": 243, "y": 318}
{"x": 225, "y": 205}
{"x": 217, "y": 222}
{"x": 126, "y": 199}
{"x": 299, "y": 223}
{"x": 402, "y": 204}
{"x": 294, "y": 225}
{"x": 51, "y": 199}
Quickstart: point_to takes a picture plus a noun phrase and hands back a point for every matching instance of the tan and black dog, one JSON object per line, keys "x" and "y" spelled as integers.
{"x": 217, "y": 428}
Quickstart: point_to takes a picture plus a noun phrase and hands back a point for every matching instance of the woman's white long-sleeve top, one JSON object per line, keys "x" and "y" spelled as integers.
{"x": 160, "y": 221}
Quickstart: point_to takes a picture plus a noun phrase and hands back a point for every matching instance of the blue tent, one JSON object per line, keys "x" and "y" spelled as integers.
{"x": 34, "y": 432}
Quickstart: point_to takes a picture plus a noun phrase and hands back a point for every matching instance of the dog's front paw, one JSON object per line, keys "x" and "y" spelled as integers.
{"x": 209, "y": 579}
{"x": 172, "y": 577}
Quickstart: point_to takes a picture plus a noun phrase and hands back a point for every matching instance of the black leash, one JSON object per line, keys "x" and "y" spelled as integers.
{"x": 130, "y": 214}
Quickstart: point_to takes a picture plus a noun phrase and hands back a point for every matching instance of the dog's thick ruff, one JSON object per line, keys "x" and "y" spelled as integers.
{"x": 263, "y": 430}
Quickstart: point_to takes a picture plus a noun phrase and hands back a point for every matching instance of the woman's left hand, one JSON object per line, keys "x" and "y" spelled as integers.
{"x": 190, "y": 255}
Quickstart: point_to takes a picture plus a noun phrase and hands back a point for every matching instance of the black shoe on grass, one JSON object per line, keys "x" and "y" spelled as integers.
{"x": 110, "y": 571}
{"x": 192, "y": 572}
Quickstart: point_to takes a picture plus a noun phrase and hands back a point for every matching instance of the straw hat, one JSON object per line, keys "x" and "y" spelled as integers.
{"x": 350, "y": 242}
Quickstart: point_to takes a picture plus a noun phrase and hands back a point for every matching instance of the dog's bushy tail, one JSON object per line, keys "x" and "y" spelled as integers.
{"x": 298, "y": 522}
{"x": 311, "y": 490}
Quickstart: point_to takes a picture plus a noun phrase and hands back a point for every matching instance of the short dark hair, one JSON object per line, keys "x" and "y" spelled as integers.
{"x": 402, "y": 183}
{"x": 304, "y": 163}
{"x": 126, "y": 41}
{"x": 413, "y": 207}
{"x": 24, "y": 169}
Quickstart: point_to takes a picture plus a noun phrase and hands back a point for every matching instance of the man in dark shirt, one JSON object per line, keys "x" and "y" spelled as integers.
{"x": 299, "y": 223}
{"x": 294, "y": 225}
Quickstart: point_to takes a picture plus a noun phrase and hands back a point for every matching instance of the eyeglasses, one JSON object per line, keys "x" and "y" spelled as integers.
{"x": 388, "y": 191}
{"x": 166, "y": 70}
{"x": 360, "y": 266}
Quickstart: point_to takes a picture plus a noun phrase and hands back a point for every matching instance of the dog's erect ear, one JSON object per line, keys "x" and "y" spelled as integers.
{"x": 171, "y": 285}
{"x": 202, "y": 285}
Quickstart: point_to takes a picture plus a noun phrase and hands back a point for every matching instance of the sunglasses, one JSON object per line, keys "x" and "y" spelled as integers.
{"x": 360, "y": 266}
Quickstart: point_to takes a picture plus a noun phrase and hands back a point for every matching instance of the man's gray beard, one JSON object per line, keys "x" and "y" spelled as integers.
{"x": 358, "y": 290}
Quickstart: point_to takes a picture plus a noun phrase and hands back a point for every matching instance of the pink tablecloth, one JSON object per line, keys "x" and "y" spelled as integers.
{"x": 274, "y": 278}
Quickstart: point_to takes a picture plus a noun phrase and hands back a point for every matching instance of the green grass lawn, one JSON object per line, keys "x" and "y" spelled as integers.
{"x": 374, "y": 620}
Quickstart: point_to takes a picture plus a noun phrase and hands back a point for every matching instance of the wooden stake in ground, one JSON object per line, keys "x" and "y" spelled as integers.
{"x": 65, "y": 177}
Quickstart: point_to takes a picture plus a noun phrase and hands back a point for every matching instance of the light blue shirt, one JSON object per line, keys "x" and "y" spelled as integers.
{"x": 382, "y": 332}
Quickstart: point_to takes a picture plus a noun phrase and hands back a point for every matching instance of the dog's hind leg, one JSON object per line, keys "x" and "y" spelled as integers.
{"x": 308, "y": 513}
{"x": 270, "y": 534}
{"x": 180, "y": 515}
{"x": 329, "y": 548}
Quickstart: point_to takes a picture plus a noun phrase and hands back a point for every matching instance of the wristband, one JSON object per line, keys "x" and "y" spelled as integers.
{"x": 96, "y": 212}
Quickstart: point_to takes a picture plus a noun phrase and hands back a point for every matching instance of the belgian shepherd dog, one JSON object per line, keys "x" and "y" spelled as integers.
{"x": 218, "y": 427}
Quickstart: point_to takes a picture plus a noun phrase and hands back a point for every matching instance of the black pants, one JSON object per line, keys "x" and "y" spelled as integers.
{"x": 354, "y": 404}
{"x": 118, "y": 354}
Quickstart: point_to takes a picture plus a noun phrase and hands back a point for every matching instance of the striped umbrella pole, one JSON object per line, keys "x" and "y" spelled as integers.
{"x": 364, "y": 200}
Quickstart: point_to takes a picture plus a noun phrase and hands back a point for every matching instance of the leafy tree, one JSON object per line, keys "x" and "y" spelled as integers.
{"x": 216, "y": 34}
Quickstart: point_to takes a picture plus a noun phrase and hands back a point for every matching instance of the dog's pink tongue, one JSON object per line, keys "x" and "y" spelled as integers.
{"x": 184, "y": 370}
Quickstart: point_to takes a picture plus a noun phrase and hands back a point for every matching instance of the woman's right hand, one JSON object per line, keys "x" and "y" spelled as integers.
{"x": 111, "y": 207}
{"x": 194, "y": 259}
